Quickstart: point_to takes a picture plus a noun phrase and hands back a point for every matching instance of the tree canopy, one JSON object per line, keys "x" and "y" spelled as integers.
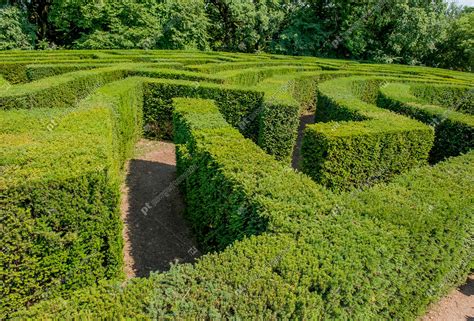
{"x": 428, "y": 32}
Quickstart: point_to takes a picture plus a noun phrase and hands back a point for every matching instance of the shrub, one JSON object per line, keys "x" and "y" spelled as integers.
{"x": 14, "y": 72}
{"x": 457, "y": 98}
{"x": 36, "y": 72}
{"x": 346, "y": 260}
{"x": 252, "y": 76}
{"x": 273, "y": 126}
{"x": 454, "y": 131}
{"x": 288, "y": 248}
{"x": 69, "y": 88}
{"x": 357, "y": 144}
{"x": 222, "y": 205}
{"x": 61, "y": 200}
{"x": 62, "y": 91}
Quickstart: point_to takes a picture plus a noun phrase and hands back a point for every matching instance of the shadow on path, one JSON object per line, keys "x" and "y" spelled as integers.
{"x": 468, "y": 288}
{"x": 304, "y": 120}
{"x": 155, "y": 231}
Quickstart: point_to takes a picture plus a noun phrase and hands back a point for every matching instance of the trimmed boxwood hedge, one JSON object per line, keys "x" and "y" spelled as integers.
{"x": 4, "y": 84}
{"x": 458, "y": 98}
{"x": 355, "y": 143}
{"x": 289, "y": 248}
{"x": 252, "y": 76}
{"x": 221, "y": 67}
{"x": 61, "y": 91}
{"x": 454, "y": 131}
{"x": 15, "y": 73}
{"x": 61, "y": 173}
{"x": 356, "y": 256}
{"x": 19, "y": 71}
{"x": 221, "y": 204}
{"x": 272, "y": 124}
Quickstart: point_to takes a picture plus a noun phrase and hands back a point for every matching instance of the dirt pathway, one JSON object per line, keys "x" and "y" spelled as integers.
{"x": 456, "y": 306}
{"x": 307, "y": 118}
{"x": 160, "y": 237}
{"x": 155, "y": 232}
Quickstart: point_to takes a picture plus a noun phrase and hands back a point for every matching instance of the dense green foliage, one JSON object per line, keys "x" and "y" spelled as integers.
{"x": 63, "y": 222}
{"x": 457, "y": 50}
{"x": 226, "y": 194}
{"x": 270, "y": 123}
{"x": 390, "y": 31}
{"x": 454, "y": 129}
{"x": 356, "y": 144}
{"x": 279, "y": 244}
{"x": 16, "y": 32}
{"x": 132, "y": 24}
{"x": 363, "y": 258}
{"x": 63, "y": 91}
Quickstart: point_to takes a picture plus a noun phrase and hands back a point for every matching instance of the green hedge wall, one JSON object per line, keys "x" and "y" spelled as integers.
{"x": 24, "y": 70}
{"x": 69, "y": 88}
{"x": 223, "y": 205}
{"x": 61, "y": 227}
{"x": 438, "y": 215}
{"x": 252, "y": 76}
{"x": 275, "y": 131}
{"x": 356, "y": 144}
{"x": 289, "y": 248}
{"x": 278, "y": 129}
{"x": 58, "y": 92}
{"x": 36, "y": 72}
{"x": 271, "y": 125}
{"x": 4, "y": 84}
{"x": 235, "y": 104}
{"x": 221, "y": 67}
{"x": 454, "y": 131}
{"x": 15, "y": 73}
{"x": 458, "y": 98}
{"x": 360, "y": 255}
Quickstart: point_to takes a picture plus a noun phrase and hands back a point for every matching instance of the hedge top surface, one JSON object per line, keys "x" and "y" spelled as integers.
{"x": 404, "y": 93}
{"x": 287, "y": 247}
{"x": 342, "y": 91}
{"x": 45, "y": 144}
{"x": 347, "y": 264}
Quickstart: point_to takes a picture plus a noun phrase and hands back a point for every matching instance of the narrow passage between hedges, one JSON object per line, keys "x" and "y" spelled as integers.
{"x": 458, "y": 305}
{"x": 155, "y": 231}
{"x": 305, "y": 118}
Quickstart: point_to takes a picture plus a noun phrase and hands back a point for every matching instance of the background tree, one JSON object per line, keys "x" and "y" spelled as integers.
{"x": 425, "y": 32}
{"x": 185, "y": 25}
{"x": 116, "y": 24}
{"x": 457, "y": 51}
{"x": 245, "y": 25}
{"x": 15, "y": 30}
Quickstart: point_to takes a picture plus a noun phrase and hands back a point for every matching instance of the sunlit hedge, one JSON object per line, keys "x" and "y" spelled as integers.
{"x": 370, "y": 231}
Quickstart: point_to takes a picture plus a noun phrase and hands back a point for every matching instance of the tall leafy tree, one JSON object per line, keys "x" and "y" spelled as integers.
{"x": 146, "y": 24}
{"x": 457, "y": 51}
{"x": 245, "y": 25}
{"x": 403, "y": 31}
{"x": 302, "y": 32}
{"x": 185, "y": 24}
{"x": 390, "y": 30}
{"x": 411, "y": 32}
{"x": 121, "y": 24}
{"x": 15, "y": 30}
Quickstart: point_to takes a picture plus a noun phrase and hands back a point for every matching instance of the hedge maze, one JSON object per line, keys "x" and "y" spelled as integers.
{"x": 376, "y": 223}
